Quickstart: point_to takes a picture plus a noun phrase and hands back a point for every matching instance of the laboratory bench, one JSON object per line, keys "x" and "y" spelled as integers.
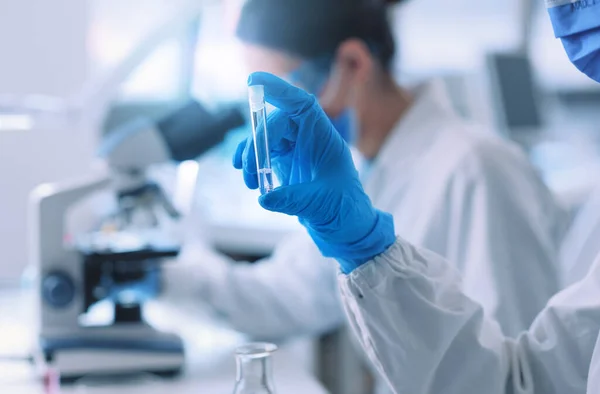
{"x": 209, "y": 343}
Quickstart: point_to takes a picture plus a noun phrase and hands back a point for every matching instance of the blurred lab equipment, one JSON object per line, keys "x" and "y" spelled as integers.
{"x": 209, "y": 364}
{"x": 131, "y": 150}
{"x": 94, "y": 383}
{"x": 76, "y": 276}
{"x": 557, "y": 130}
{"x": 120, "y": 262}
{"x": 51, "y": 381}
{"x": 53, "y": 136}
{"x": 258, "y": 113}
{"x": 254, "y": 369}
{"x": 515, "y": 97}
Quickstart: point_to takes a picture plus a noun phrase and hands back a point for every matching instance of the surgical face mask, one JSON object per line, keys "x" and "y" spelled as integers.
{"x": 577, "y": 24}
{"x": 312, "y": 76}
{"x": 345, "y": 124}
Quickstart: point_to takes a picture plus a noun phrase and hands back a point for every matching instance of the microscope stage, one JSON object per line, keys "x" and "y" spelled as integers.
{"x": 78, "y": 357}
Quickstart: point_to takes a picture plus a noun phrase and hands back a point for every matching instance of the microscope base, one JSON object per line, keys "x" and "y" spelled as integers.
{"x": 96, "y": 356}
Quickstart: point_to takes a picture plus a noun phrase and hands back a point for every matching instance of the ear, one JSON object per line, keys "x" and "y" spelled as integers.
{"x": 352, "y": 68}
{"x": 355, "y": 60}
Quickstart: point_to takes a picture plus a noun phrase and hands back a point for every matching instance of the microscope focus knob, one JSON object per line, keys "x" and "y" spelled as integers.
{"x": 58, "y": 289}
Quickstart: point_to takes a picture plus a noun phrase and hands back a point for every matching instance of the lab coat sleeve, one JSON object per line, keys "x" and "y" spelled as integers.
{"x": 294, "y": 292}
{"x": 594, "y": 375}
{"x": 500, "y": 233}
{"x": 582, "y": 242}
{"x": 426, "y": 336}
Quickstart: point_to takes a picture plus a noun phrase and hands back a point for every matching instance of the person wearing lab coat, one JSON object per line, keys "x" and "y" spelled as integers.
{"x": 405, "y": 303}
{"x": 581, "y": 244}
{"x": 453, "y": 187}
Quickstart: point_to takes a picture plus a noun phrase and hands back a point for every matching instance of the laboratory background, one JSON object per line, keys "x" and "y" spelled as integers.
{"x": 85, "y": 88}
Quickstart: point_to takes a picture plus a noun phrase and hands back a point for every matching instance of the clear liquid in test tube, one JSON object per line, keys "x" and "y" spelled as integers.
{"x": 261, "y": 142}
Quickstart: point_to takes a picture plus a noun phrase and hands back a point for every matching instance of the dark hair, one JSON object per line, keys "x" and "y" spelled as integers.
{"x": 314, "y": 28}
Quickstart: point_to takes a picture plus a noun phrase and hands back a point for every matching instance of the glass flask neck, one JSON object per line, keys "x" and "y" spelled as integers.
{"x": 255, "y": 371}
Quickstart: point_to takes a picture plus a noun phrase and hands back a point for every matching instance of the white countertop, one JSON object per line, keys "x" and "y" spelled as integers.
{"x": 210, "y": 366}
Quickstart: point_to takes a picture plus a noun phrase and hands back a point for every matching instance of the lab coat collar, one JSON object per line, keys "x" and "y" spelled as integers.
{"x": 415, "y": 133}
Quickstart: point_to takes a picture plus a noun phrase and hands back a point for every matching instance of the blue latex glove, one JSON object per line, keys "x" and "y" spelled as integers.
{"x": 320, "y": 184}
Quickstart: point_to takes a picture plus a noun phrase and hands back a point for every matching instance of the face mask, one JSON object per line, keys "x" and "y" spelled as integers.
{"x": 312, "y": 76}
{"x": 578, "y": 26}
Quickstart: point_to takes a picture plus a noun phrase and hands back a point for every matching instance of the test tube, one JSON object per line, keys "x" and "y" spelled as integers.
{"x": 261, "y": 140}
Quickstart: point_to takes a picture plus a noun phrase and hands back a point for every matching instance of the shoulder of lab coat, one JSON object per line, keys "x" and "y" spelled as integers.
{"x": 294, "y": 292}
{"x": 425, "y": 335}
{"x": 464, "y": 193}
{"x": 594, "y": 374}
{"x": 504, "y": 233}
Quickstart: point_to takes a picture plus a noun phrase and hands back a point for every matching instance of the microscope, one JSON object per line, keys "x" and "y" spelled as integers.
{"x": 120, "y": 262}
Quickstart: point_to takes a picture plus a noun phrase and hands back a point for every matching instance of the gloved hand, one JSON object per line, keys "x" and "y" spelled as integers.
{"x": 320, "y": 184}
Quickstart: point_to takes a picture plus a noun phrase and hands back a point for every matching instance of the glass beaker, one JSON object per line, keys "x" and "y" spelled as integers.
{"x": 254, "y": 369}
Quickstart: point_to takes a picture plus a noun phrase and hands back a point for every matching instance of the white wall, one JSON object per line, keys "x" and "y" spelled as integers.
{"x": 42, "y": 50}
{"x": 42, "y": 45}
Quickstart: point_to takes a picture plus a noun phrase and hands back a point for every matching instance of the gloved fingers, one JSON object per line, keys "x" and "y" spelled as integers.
{"x": 288, "y": 98}
{"x": 251, "y": 180}
{"x": 282, "y": 133}
{"x": 249, "y": 164}
{"x": 280, "y": 145}
{"x": 237, "y": 156}
{"x": 292, "y": 200}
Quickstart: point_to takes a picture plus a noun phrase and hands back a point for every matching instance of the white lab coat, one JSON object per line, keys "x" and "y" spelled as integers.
{"x": 470, "y": 197}
{"x": 582, "y": 242}
{"x": 426, "y": 336}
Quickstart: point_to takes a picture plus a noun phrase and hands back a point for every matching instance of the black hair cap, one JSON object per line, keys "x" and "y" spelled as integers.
{"x": 314, "y": 28}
